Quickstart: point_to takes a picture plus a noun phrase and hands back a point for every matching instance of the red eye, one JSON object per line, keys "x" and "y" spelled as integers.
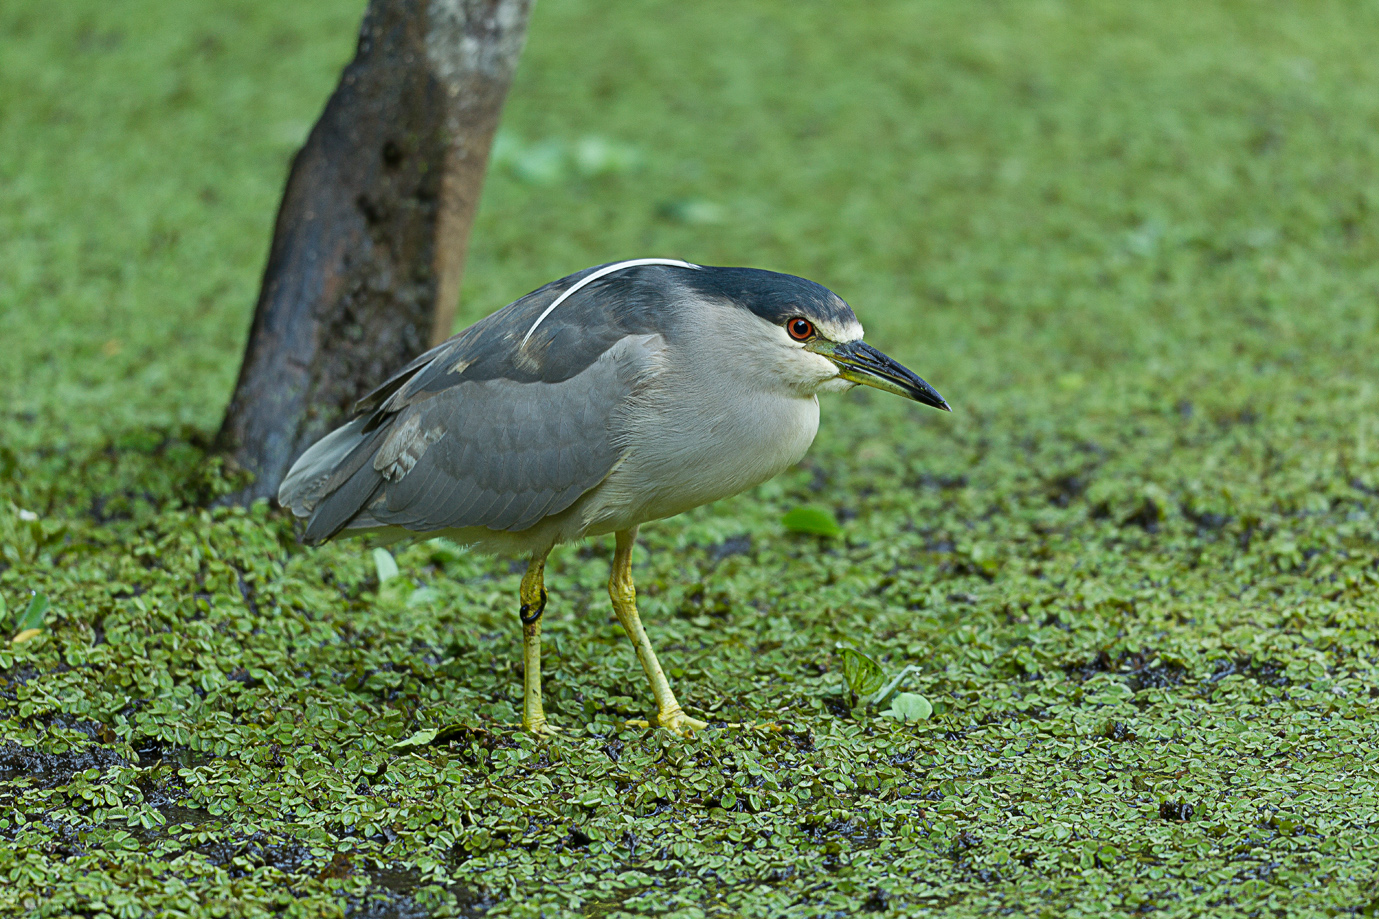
{"x": 800, "y": 329}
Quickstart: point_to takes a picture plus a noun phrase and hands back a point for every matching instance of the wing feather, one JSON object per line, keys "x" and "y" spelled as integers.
{"x": 495, "y": 453}
{"x": 487, "y": 429}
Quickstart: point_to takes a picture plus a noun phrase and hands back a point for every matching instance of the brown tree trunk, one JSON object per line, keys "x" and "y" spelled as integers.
{"x": 364, "y": 270}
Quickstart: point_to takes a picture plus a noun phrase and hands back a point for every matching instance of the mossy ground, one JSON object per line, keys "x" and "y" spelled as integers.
{"x": 1136, "y": 247}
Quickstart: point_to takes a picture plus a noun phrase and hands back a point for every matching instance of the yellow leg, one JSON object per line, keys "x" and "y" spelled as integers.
{"x": 533, "y": 605}
{"x": 620, "y": 587}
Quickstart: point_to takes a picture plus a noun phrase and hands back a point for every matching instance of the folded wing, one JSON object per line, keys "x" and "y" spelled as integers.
{"x": 482, "y": 430}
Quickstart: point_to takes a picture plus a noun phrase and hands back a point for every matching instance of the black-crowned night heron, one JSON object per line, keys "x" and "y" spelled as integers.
{"x": 624, "y": 393}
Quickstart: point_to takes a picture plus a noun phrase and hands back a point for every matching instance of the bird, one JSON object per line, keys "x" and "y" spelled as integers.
{"x": 622, "y": 394}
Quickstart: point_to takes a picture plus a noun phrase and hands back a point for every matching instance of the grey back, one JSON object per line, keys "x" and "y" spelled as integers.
{"x": 481, "y": 431}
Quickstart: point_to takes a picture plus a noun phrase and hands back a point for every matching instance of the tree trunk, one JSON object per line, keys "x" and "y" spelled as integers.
{"x": 364, "y": 270}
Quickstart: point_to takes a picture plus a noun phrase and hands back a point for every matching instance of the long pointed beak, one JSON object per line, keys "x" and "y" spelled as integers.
{"x": 859, "y": 362}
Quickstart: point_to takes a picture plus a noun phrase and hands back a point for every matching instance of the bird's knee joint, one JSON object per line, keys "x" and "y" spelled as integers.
{"x": 530, "y": 613}
{"x": 623, "y": 593}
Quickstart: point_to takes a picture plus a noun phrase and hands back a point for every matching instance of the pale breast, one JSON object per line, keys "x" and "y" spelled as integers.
{"x": 721, "y": 409}
{"x": 682, "y": 453}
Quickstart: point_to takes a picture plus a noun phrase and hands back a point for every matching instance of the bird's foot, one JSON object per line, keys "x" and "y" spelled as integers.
{"x": 540, "y": 727}
{"x": 673, "y": 720}
{"x": 769, "y": 726}
{"x": 684, "y": 724}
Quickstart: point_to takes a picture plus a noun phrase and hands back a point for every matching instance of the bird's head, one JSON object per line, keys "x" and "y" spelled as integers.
{"x": 804, "y": 333}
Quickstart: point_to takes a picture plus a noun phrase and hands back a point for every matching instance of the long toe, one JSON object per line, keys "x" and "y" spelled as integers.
{"x": 542, "y": 728}
{"x": 768, "y": 726}
{"x": 680, "y": 723}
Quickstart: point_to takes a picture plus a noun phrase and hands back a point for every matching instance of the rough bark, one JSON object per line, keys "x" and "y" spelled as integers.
{"x": 364, "y": 269}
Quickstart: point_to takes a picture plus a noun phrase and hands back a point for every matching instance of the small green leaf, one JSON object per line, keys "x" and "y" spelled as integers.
{"x": 386, "y": 565}
{"x": 596, "y": 156}
{"x": 421, "y": 596}
{"x": 693, "y": 211}
{"x": 818, "y": 521}
{"x": 864, "y": 676}
{"x": 33, "y": 616}
{"x": 910, "y": 707}
{"x": 542, "y": 163}
{"x": 884, "y": 692}
{"x": 440, "y": 735}
{"x": 419, "y": 739}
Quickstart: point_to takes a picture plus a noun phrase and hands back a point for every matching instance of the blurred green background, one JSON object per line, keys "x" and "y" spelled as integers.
{"x": 1134, "y": 245}
{"x": 1007, "y": 195}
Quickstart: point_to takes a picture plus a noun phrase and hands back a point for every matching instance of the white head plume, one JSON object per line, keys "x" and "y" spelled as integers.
{"x": 594, "y": 276}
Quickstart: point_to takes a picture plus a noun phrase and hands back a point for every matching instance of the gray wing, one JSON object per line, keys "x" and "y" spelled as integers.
{"x": 484, "y": 430}
{"x": 496, "y": 453}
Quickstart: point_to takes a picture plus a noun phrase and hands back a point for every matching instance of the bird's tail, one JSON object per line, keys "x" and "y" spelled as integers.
{"x": 312, "y": 477}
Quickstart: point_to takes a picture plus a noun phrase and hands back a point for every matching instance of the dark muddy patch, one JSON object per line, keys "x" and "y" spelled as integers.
{"x": 50, "y": 770}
